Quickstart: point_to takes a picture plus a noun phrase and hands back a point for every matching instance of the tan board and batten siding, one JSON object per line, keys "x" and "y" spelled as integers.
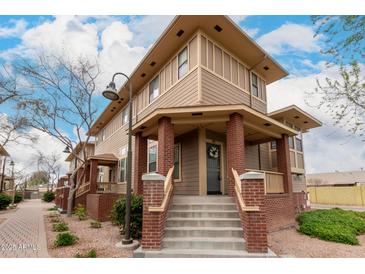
{"x": 224, "y": 79}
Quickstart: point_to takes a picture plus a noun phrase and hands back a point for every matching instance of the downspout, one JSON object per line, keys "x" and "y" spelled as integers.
{"x": 249, "y": 76}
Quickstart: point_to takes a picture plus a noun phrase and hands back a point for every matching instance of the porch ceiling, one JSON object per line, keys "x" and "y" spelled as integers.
{"x": 259, "y": 128}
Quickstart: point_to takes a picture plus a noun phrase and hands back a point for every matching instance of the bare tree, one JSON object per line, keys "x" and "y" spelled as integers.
{"x": 343, "y": 97}
{"x": 8, "y": 89}
{"x": 49, "y": 164}
{"x": 59, "y": 101}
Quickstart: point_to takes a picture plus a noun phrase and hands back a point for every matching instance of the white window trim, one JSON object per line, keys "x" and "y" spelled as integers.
{"x": 187, "y": 62}
{"x": 149, "y": 89}
{"x": 148, "y": 156}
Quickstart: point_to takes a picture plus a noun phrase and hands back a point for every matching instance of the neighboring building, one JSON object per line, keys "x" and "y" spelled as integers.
{"x": 337, "y": 188}
{"x": 200, "y": 107}
{"x": 337, "y": 178}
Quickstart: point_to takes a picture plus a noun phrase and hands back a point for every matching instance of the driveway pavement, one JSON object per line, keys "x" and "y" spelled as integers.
{"x": 22, "y": 234}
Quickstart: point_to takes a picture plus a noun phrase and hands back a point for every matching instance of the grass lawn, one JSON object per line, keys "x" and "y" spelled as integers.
{"x": 335, "y": 225}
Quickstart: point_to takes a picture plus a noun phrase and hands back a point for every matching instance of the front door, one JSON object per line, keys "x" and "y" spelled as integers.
{"x": 213, "y": 169}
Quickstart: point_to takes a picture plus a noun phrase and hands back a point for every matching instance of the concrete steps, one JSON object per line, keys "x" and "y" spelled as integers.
{"x": 202, "y": 227}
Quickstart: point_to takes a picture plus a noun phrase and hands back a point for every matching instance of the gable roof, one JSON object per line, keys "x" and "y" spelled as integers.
{"x": 232, "y": 37}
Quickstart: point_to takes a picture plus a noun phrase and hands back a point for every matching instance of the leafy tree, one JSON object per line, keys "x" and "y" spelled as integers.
{"x": 38, "y": 178}
{"x": 343, "y": 96}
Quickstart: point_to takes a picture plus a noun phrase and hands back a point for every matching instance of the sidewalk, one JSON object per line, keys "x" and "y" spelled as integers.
{"x": 22, "y": 234}
{"x": 322, "y": 206}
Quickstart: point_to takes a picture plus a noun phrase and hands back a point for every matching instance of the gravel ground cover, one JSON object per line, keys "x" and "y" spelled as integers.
{"x": 103, "y": 239}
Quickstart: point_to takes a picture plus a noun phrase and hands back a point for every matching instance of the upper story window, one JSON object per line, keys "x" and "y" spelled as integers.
{"x": 273, "y": 145}
{"x": 103, "y": 134}
{"x": 154, "y": 89}
{"x": 183, "y": 63}
{"x": 291, "y": 142}
{"x": 125, "y": 115}
{"x": 254, "y": 85}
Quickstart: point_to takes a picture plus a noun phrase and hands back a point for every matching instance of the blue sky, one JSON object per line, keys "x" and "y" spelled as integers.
{"x": 289, "y": 39}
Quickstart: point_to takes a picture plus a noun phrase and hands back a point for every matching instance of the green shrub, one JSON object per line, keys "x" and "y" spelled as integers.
{"x": 118, "y": 214}
{"x": 55, "y": 219}
{"x": 65, "y": 239}
{"x": 60, "y": 227}
{"x": 335, "y": 225}
{"x": 48, "y": 196}
{"x": 18, "y": 197}
{"x": 54, "y": 208}
{"x": 80, "y": 211}
{"x": 5, "y": 201}
{"x": 89, "y": 254}
{"x": 95, "y": 224}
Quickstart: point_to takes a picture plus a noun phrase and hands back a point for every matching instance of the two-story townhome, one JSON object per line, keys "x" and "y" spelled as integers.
{"x": 215, "y": 169}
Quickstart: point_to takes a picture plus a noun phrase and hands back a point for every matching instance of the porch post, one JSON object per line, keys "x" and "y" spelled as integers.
{"x": 93, "y": 176}
{"x": 165, "y": 158}
{"x": 283, "y": 161}
{"x": 140, "y": 162}
{"x": 235, "y": 148}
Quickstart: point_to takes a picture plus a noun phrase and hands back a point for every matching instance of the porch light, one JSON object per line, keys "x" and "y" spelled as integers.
{"x": 111, "y": 92}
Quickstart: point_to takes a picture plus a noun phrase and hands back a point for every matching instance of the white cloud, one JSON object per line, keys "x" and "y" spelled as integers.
{"x": 238, "y": 18}
{"x": 18, "y": 27}
{"x": 290, "y": 36}
{"x": 327, "y": 148}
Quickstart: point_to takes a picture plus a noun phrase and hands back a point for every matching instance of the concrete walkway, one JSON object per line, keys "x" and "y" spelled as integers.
{"x": 22, "y": 234}
{"x": 322, "y": 206}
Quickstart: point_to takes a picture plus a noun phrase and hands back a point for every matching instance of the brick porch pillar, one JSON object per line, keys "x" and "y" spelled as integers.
{"x": 93, "y": 176}
{"x": 153, "y": 222}
{"x": 140, "y": 162}
{"x": 254, "y": 222}
{"x": 283, "y": 162}
{"x": 235, "y": 148}
{"x": 65, "y": 192}
{"x": 165, "y": 158}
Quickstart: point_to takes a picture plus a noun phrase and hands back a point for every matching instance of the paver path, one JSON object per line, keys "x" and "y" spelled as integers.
{"x": 23, "y": 233}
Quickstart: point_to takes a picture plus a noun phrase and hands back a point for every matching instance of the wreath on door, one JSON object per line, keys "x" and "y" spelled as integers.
{"x": 213, "y": 152}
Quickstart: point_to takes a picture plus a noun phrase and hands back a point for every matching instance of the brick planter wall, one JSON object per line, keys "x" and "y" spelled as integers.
{"x": 98, "y": 206}
{"x": 300, "y": 202}
{"x": 63, "y": 200}
{"x": 81, "y": 200}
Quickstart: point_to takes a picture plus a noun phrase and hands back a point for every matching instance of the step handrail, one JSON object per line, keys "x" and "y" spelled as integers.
{"x": 168, "y": 187}
{"x": 84, "y": 188}
{"x": 238, "y": 191}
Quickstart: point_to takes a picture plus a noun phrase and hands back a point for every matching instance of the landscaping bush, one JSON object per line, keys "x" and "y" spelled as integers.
{"x": 80, "y": 211}
{"x": 95, "y": 224}
{"x": 5, "y": 201}
{"x": 89, "y": 254}
{"x": 60, "y": 227}
{"x": 335, "y": 225}
{"x": 18, "y": 197}
{"x": 118, "y": 213}
{"x": 65, "y": 239}
{"x": 54, "y": 219}
{"x": 48, "y": 196}
{"x": 54, "y": 208}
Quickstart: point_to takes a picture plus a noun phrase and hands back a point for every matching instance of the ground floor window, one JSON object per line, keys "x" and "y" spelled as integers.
{"x": 177, "y": 162}
{"x": 122, "y": 169}
{"x": 152, "y": 159}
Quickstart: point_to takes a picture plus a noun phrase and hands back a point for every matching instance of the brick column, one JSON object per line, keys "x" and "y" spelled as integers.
{"x": 283, "y": 162}
{"x": 165, "y": 158}
{"x": 65, "y": 192}
{"x": 93, "y": 176}
{"x": 140, "y": 162}
{"x": 254, "y": 222}
{"x": 235, "y": 148}
{"x": 153, "y": 222}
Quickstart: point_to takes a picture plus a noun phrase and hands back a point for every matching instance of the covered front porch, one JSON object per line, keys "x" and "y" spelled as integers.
{"x": 205, "y": 143}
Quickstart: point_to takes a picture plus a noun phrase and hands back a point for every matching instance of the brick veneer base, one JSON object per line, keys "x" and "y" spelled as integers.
{"x": 280, "y": 211}
{"x": 98, "y": 206}
{"x": 81, "y": 200}
{"x": 63, "y": 200}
